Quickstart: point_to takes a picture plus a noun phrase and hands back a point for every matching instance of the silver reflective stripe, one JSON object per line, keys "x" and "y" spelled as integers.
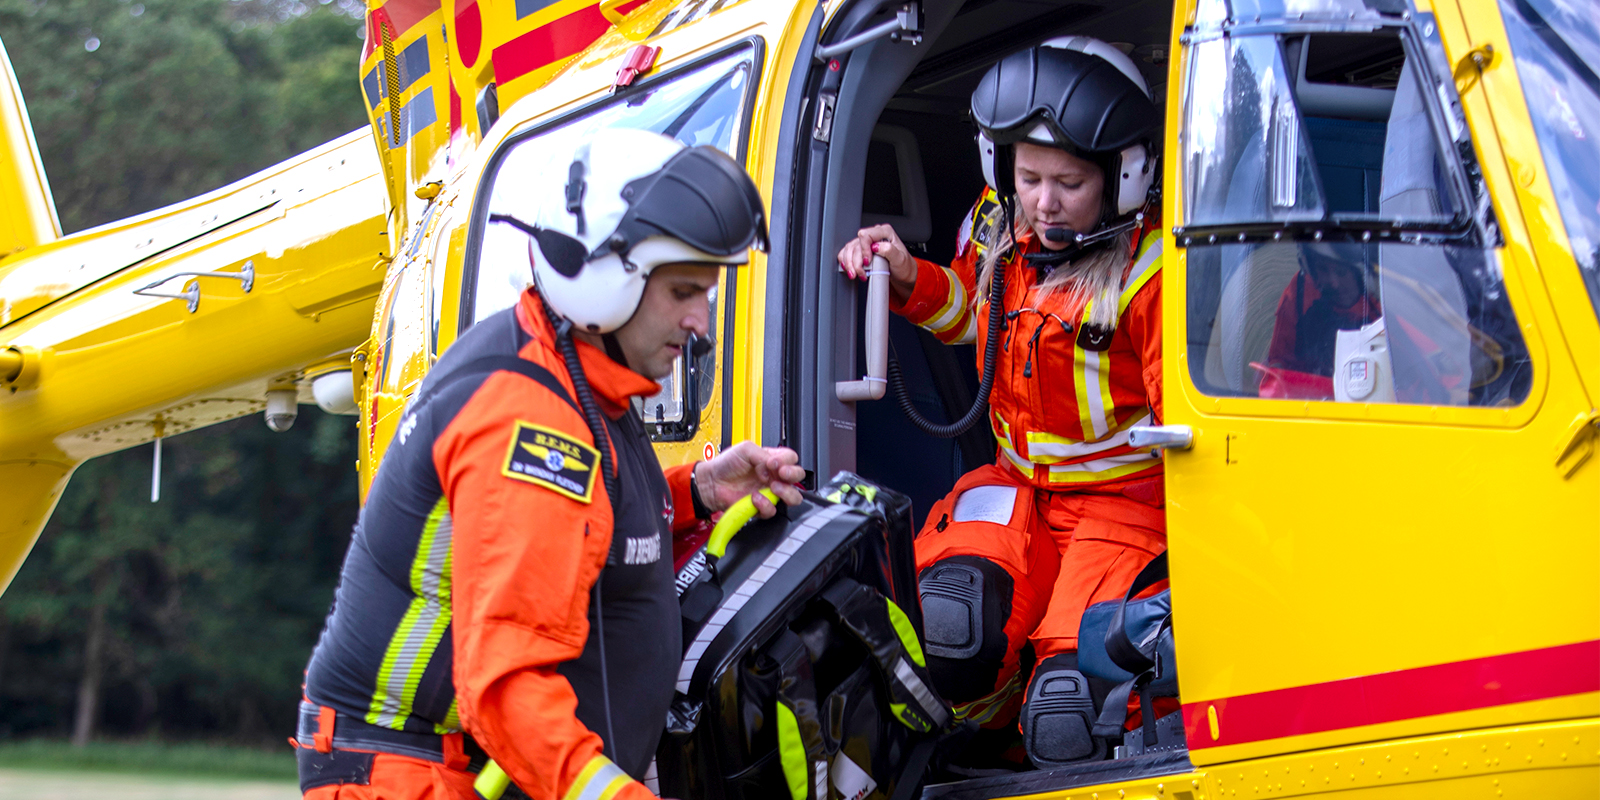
{"x": 1037, "y": 449}
{"x": 595, "y": 787}
{"x": 732, "y": 603}
{"x": 919, "y": 690}
{"x": 420, "y": 630}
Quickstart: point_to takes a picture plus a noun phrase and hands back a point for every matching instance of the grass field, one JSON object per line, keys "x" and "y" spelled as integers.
{"x": 150, "y": 758}
{"x": 37, "y": 784}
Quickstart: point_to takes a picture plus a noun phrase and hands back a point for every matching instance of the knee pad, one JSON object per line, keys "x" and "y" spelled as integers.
{"x": 1059, "y": 713}
{"x": 966, "y": 601}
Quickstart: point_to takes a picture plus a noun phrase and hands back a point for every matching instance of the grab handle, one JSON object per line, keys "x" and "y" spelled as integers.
{"x": 876, "y": 331}
{"x": 733, "y": 520}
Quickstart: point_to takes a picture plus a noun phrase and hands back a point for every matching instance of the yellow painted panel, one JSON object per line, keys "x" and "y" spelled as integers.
{"x": 1556, "y": 708}
{"x": 1546, "y": 242}
{"x": 32, "y": 490}
{"x": 1314, "y": 542}
{"x": 27, "y": 210}
{"x": 1553, "y": 760}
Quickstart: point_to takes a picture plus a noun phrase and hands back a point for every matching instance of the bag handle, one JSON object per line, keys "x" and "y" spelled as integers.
{"x": 1123, "y": 652}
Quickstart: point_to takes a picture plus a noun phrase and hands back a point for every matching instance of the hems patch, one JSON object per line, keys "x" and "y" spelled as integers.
{"x": 553, "y": 460}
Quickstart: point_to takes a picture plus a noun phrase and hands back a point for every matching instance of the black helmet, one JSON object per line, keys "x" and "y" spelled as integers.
{"x": 1074, "y": 95}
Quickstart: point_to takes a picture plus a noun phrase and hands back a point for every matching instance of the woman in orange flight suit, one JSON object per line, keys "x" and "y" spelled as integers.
{"x": 1070, "y": 513}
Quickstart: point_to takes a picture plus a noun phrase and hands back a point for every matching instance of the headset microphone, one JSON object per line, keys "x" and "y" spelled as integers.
{"x": 1061, "y": 235}
{"x": 699, "y": 346}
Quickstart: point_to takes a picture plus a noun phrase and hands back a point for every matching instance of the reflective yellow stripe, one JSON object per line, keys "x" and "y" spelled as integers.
{"x": 1018, "y": 461}
{"x": 985, "y": 708}
{"x": 1049, "y": 448}
{"x": 1103, "y": 469}
{"x": 599, "y": 780}
{"x": 1091, "y": 378}
{"x": 908, "y": 634}
{"x": 968, "y": 334}
{"x": 421, "y": 628}
{"x": 792, "y": 754}
{"x": 1148, "y": 266}
{"x": 955, "y": 304}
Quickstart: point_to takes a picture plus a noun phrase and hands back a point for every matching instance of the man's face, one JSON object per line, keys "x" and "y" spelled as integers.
{"x": 1337, "y": 281}
{"x": 1056, "y": 189}
{"x": 674, "y": 305}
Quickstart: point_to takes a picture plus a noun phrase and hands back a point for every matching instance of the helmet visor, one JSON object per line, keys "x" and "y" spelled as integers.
{"x": 1086, "y": 104}
{"x": 700, "y": 197}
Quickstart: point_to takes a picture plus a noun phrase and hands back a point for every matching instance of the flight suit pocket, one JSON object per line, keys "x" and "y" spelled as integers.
{"x": 1114, "y": 532}
{"x": 987, "y": 514}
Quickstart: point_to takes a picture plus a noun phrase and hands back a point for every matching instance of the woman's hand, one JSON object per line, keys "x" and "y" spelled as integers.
{"x": 880, "y": 240}
{"x": 744, "y": 470}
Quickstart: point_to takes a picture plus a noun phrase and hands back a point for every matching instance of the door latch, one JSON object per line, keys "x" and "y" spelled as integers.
{"x": 1579, "y": 442}
{"x": 822, "y": 129}
{"x": 1161, "y": 437}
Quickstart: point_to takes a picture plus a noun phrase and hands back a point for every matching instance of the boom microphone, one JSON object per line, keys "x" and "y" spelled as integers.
{"x": 699, "y": 346}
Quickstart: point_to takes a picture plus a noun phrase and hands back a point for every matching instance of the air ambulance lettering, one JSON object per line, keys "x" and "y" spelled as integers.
{"x": 551, "y": 459}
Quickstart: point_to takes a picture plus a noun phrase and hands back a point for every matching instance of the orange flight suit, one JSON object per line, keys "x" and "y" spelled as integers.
{"x": 525, "y": 553}
{"x": 1088, "y": 509}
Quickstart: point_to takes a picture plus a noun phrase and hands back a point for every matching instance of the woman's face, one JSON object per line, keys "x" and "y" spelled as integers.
{"x": 1056, "y": 189}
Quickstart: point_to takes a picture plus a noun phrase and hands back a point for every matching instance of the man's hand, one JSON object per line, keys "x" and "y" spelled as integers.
{"x": 856, "y": 256}
{"x": 744, "y": 470}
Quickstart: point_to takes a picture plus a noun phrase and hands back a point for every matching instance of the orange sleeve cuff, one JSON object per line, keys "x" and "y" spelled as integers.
{"x": 928, "y": 294}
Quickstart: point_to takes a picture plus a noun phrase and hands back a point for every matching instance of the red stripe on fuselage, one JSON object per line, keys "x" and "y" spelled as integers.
{"x": 560, "y": 38}
{"x": 1392, "y": 696}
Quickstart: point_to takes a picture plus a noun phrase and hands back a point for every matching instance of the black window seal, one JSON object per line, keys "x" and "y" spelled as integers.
{"x": 1461, "y": 229}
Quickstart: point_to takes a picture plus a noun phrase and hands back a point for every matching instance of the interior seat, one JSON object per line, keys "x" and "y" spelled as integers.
{"x": 889, "y": 449}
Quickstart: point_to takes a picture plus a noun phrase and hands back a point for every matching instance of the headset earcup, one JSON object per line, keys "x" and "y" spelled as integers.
{"x": 1135, "y": 173}
{"x": 987, "y": 158}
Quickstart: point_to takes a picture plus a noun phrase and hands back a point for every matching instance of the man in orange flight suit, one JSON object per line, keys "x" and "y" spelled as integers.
{"x": 508, "y": 593}
{"x": 1070, "y": 513}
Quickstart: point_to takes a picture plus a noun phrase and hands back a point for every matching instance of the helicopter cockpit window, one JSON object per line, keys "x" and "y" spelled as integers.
{"x": 706, "y": 104}
{"x": 1339, "y": 243}
{"x": 1557, "y": 50}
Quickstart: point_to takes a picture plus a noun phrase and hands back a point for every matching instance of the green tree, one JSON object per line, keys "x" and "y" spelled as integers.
{"x": 137, "y": 105}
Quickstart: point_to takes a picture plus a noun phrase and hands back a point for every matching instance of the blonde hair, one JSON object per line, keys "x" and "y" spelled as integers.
{"x": 1095, "y": 277}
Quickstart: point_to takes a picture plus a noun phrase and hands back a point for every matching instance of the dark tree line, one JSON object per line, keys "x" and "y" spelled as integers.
{"x": 191, "y": 617}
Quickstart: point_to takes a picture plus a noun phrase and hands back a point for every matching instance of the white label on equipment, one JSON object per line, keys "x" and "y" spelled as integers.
{"x": 852, "y": 781}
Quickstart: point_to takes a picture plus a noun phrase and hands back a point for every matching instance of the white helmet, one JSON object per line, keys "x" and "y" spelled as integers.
{"x": 627, "y": 202}
{"x": 1075, "y": 104}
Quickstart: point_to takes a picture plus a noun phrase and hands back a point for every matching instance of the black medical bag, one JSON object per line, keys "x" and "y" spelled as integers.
{"x": 803, "y": 675}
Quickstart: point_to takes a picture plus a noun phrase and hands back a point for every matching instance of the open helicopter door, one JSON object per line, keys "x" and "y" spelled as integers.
{"x": 1360, "y": 409}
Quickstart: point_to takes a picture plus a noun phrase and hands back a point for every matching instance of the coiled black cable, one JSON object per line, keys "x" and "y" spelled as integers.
{"x": 591, "y": 412}
{"x": 991, "y": 353}
{"x": 602, "y": 442}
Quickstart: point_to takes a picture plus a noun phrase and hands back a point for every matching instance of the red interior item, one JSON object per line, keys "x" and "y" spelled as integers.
{"x": 1288, "y": 384}
{"x": 686, "y": 543}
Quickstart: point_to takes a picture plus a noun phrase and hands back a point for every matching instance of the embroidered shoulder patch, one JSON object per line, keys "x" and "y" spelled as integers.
{"x": 552, "y": 459}
{"x": 984, "y": 219}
